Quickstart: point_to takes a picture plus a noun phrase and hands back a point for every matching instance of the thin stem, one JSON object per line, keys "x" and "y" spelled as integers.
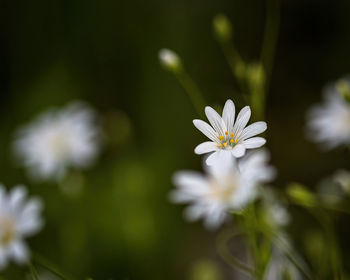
{"x": 223, "y": 250}
{"x": 33, "y": 271}
{"x": 272, "y": 24}
{"x": 192, "y": 90}
{"x": 334, "y": 251}
{"x": 287, "y": 250}
{"x": 50, "y": 267}
{"x": 251, "y": 228}
{"x": 235, "y": 62}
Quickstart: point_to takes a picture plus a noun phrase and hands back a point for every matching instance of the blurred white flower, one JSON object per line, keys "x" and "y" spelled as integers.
{"x": 329, "y": 123}
{"x": 57, "y": 140}
{"x": 275, "y": 212}
{"x": 227, "y": 186}
{"x": 228, "y": 137}
{"x": 19, "y": 218}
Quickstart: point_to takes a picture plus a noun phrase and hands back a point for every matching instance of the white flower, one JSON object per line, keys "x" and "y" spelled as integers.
{"x": 227, "y": 135}
{"x": 329, "y": 123}
{"x": 227, "y": 186}
{"x": 19, "y": 218}
{"x": 58, "y": 139}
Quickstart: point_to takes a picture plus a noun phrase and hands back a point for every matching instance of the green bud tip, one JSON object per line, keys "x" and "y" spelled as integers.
{"x": 343, "y": 86}
{"x": 222, "y": 27}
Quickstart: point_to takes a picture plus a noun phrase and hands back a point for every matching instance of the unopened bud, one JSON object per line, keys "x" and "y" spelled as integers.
{"x": 222, "y": 27}
{"x": 343, "y": 86}
{"x": 301, "y": 195}
{"x": 170, "y": 60}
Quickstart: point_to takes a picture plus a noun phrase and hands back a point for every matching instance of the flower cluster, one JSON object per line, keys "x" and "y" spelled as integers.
{"x": 230, "y": 183}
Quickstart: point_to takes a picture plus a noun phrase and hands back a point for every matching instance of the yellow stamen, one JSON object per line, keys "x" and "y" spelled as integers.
{"x": 231, "y": 141}
{"x": 220, "y": 145}
{"x": 236, "y": 140}
{"x": 225, "y": 144}
{"x": 226, "y": 132}
{"x": 232, "y": 135}
{"x": 221, "y": 137}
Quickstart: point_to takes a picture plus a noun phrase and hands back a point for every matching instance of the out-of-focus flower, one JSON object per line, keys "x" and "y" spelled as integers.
{"x": 19, "y": 218}
{"x": 228, "y": 136}
{"x": 57, "y": 140}
{"x": 280, "y": 267}
{"x": 274, "y": 209}
{"x": 227, "y": 186}
{"x": 329, "y": 123}
{"x": 169, "y": 59}
{"x": 278, "y": 214}
{"x": 342, "y": 177}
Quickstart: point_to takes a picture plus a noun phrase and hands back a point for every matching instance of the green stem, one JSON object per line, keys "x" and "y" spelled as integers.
{"x": 33, "y": 271}
{"x": 192, "y": 90}
{"x": 235, "y": 62}
{"x": 272, "y": 24}
{"x": 50, "y": 267}
{"x": 253, "y": 235}
{"x": 334, "y": 252}
{"x": 223, "y": 250}
{"x": 287, "y": 250}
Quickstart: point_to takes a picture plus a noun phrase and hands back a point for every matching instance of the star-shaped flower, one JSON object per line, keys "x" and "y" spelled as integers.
{"x": 229, "y": 136}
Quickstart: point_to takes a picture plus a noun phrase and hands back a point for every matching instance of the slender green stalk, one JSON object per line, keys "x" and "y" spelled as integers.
{"x": 50, "y": 267}
{"x": 272, "y": 24}
{"x": 334, "y": 252}
{"x": 235, "y": 62}
{"x": 192, "y": 90}
{"x": 223, "y": 250}
{"x": 253, "y": 235}
{"x": 33, "y": 271}
{"x": 287, "y": 250}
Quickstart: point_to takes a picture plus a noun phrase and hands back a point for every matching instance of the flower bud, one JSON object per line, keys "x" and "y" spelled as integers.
{"x": 343, "y": 86}
{"x": 222, "y": 27}
{"x": 301, "y": 195}
{"x": 170, "y": 60}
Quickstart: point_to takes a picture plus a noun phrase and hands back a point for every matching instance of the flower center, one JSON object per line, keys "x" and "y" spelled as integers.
{"x": 223, "y": 191}
{"x": 58, "y": 145}
{"x": 7, "y": 231}
{"x": 228, "y": 141}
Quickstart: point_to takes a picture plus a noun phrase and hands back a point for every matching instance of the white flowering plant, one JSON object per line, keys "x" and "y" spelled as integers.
{"x": 234, "y": 188}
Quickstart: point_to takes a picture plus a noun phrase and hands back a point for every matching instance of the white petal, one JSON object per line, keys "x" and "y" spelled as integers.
{"x": 19, "y": 252}
{"x": 228, "y": 114}
{"x": 193, "y": 213}
{"x": 206, "y": 129}
{"x": 253, "y": 129}
{"x": 238, "y": 151}
{"x": 205, "y": 147}
{"x": 189, "y": 179}
{"x": 217, "y": 157}
{"x": 215, "y": 120}
{"x": 17, "y": 197}
{"x": 242, "y": 120}
{"x": 254, "y": 142}
{"x": 3, "y": 259}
